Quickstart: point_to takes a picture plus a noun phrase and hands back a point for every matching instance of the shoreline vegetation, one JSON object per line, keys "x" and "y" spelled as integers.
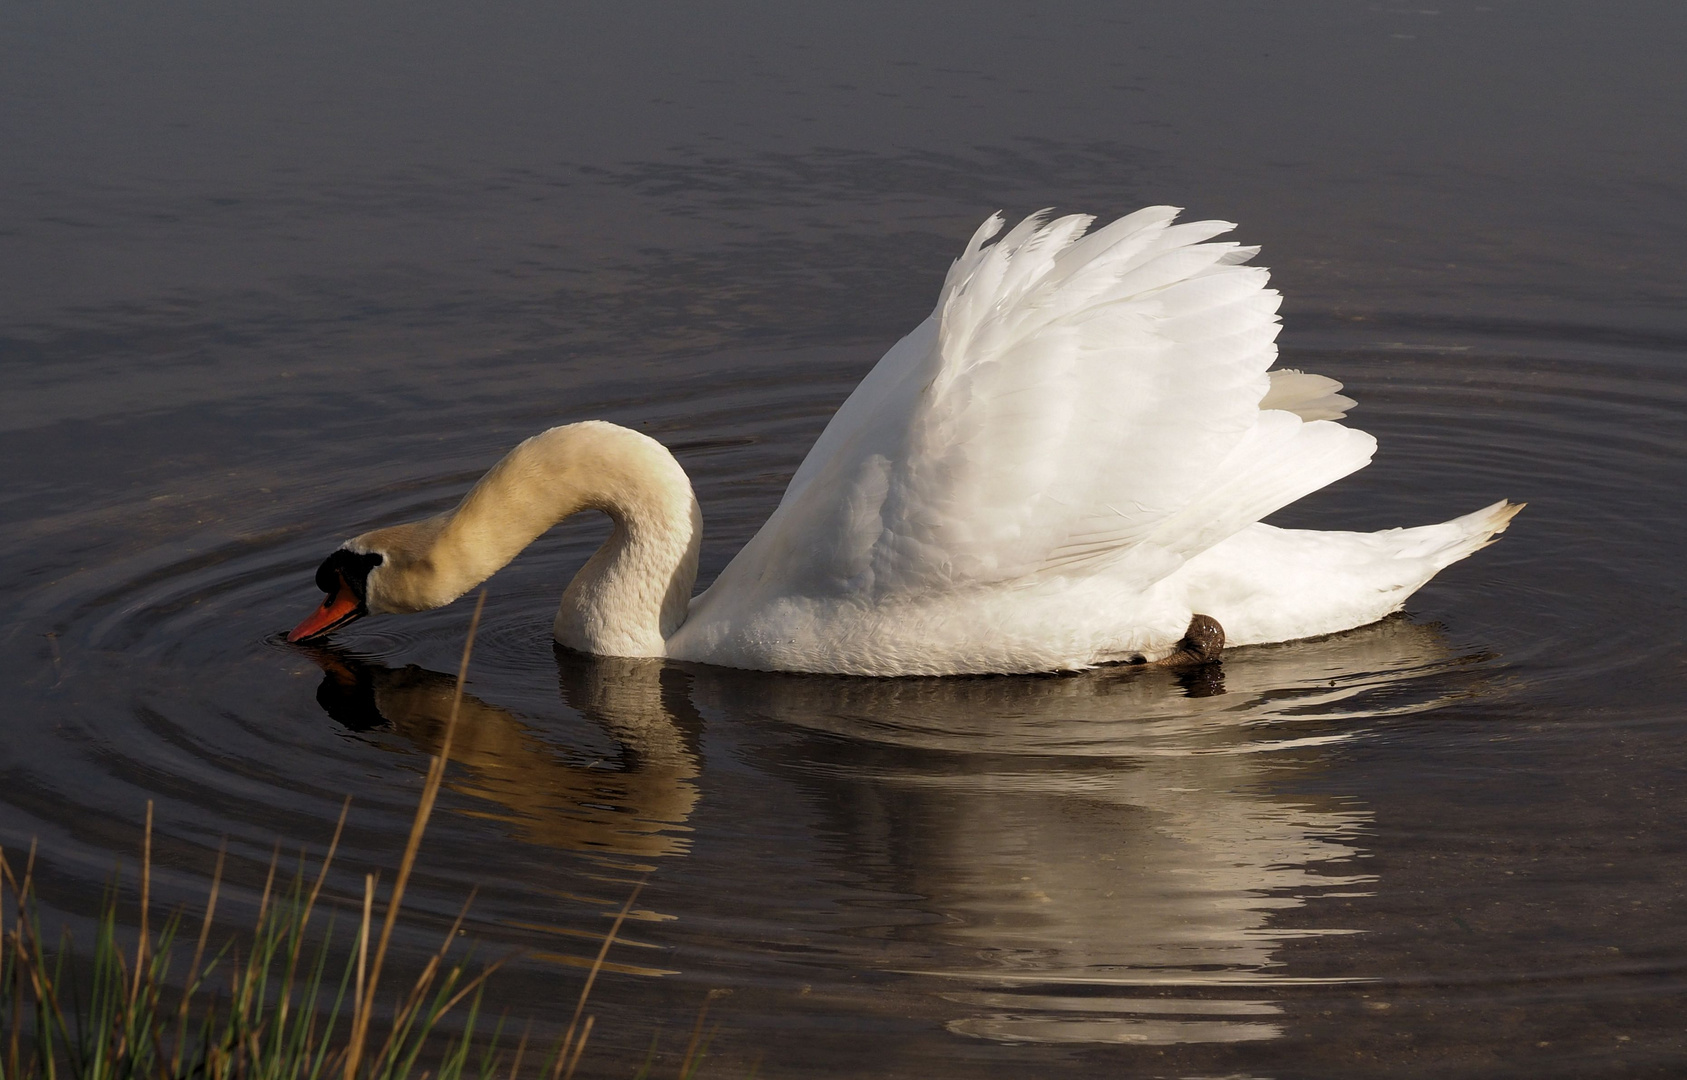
{"x": 278, "y": 1011}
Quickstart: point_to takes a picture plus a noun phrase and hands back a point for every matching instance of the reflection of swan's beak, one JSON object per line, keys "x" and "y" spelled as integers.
{"x": 342, "y": 669}
{"x": 338, "y": 608}
{"x": 347, "y": 691}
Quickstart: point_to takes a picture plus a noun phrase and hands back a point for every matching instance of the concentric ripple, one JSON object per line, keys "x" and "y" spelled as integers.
{"x": 1116, "y": 857}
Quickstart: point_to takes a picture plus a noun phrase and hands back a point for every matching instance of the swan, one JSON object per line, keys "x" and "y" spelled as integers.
{"x": 1064, "y": 465}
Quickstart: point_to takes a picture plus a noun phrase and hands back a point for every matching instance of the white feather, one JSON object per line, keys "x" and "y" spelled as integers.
{"x": 1021, "y": 482}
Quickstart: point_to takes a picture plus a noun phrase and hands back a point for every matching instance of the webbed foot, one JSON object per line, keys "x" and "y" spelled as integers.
{"x": 1201, "y": 644}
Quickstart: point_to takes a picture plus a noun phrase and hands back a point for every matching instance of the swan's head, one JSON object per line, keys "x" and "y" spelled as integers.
{"x": 384, "y": 572}
{"x": 344, "y": 579}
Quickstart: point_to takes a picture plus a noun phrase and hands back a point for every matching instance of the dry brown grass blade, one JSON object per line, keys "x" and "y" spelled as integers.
{"x": 29, "y": 958}
{"x": 303, "y": 917}
{"x": 253, "y": 972}
{"x": 520, "y": 1050}
{"x": 328, "y": 859}
{"x": 424, "y": 809}
{"x": 198, "y": 955}
{"x": 696, "y": 1043}
{"x": 420, "y": 988}
{"x": 591, "y": 977}
{"x": 574, "y": 1062}
{"x": 473, "y": 984}
{"x": 485, "y": 973}
{"x": 210, "y": 913}
{"x": 269, "y": 881}
{"x": 5, "y": 944}
{"x": 146, "y": 903}
{"x": 21, "y": 890}
{"x": 369, "y": 881}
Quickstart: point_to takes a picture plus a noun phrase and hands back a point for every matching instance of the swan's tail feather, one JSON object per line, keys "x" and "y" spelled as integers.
{"x": 1269, "y": 584}
{"x": 1472, "y": 532}
{"x": 1440, "y": 546}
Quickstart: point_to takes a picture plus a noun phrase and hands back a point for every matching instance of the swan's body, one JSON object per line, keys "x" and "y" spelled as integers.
{"x": 1059, "y": 467}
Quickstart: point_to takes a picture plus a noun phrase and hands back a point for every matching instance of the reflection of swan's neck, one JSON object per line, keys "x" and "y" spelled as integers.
{"x": 628, "y": 597}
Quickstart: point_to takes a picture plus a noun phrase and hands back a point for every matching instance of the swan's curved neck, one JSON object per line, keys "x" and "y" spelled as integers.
{"x": 628, "y": 597}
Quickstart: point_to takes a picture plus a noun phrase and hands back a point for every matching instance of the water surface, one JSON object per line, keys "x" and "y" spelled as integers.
{"x": 272, "y": 276}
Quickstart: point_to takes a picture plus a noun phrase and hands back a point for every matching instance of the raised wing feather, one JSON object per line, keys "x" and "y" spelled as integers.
{"x": 1308, "y": 396}
{"x": 1076, "y": 404}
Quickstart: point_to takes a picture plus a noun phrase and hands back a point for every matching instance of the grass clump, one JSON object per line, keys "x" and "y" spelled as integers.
{"x": 281, "y": 1011}
{"x": 275, "y": 1009}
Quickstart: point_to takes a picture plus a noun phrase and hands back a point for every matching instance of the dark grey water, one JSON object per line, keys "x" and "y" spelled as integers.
{"x": 271, "y": 274}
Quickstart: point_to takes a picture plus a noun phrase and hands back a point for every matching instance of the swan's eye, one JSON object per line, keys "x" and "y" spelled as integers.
{"x": 352, "y": 567}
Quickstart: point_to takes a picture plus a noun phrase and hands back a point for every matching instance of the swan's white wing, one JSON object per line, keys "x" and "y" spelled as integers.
{"x": 1076, "y": 404}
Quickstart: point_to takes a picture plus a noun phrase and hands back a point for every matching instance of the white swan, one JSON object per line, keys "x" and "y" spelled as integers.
{"x": 1059, "y": 468}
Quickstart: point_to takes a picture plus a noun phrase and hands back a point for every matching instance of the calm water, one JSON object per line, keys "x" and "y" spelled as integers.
{"x": 271, "y": 275}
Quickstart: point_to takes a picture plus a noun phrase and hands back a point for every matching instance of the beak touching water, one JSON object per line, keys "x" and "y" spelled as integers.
{"x": 344, "y": 577}
{"x": 338, "y": 608}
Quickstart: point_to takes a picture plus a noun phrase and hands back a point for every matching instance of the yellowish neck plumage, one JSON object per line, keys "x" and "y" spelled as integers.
{"x": 628, "y": 597}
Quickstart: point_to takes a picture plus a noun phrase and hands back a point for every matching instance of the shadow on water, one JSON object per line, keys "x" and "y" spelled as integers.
{"x": 1093, "y": 858}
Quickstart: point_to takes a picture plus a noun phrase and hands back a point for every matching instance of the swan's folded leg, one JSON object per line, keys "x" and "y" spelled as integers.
{"x": 1267, "y": 584}
{"x": 1202, "y": 643}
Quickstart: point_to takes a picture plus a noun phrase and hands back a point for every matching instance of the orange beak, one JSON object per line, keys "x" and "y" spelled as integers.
{"x": 339, "y": 608}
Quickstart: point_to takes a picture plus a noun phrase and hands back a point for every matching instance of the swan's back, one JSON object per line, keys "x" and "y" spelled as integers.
{"x": 1079, "y": 416}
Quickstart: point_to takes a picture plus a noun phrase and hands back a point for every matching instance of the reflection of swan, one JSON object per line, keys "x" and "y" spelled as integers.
{"x": 1308, "y": 693}
{"x": 1103, "y": 857}
{"x": 1059, "y": 467}
{"x": 638, "y": 809}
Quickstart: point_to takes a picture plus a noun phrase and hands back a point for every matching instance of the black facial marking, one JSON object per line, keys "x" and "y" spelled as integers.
{"x": 352, "y": 567}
